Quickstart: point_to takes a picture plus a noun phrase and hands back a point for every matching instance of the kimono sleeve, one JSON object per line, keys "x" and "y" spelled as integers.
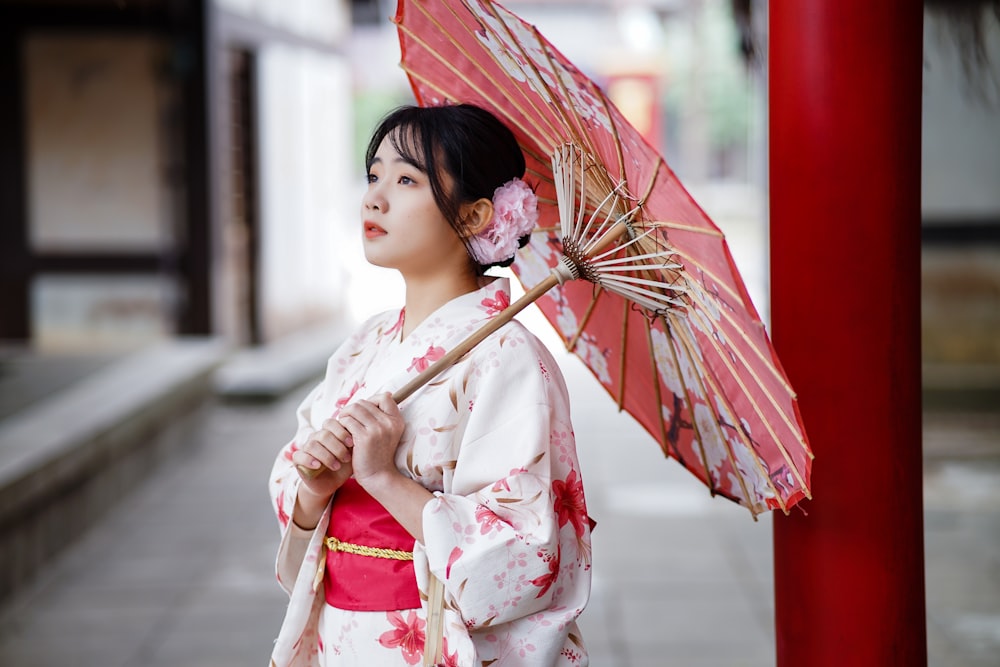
{"x": 508, "y": 537}
{"x": 284, "y": 484}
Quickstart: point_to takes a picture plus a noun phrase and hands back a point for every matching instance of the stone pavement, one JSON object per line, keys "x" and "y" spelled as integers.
{"x": 180, "y": 573}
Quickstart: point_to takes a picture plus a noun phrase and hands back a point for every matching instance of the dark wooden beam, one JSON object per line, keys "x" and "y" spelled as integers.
{"x": 199, "y": 80}
{"x": 15, "y": 321}
{"x": 939, "y": 231}
{"x": 108, "y": 16}
{"x": 99, "y": 262}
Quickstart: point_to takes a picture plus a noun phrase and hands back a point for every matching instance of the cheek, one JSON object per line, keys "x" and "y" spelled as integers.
{"x": 434, "y": 227}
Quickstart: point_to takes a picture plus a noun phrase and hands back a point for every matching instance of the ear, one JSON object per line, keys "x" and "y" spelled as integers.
{"x": 476, "y": 215}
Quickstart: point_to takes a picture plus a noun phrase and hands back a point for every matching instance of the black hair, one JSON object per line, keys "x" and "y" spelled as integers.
{"x": 467, "y": 142}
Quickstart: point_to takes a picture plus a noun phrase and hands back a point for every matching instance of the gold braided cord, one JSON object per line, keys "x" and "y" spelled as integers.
{"x": 333, "y": 544}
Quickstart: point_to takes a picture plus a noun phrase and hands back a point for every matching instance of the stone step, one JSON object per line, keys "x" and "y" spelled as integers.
{"x": 66, "y": 459}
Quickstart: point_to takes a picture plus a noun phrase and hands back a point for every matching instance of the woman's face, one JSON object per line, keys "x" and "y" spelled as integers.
{"x": 402, "y": 225}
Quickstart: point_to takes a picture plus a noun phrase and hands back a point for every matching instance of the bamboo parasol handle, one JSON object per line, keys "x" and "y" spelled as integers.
{"x": 462, "y": 349}
{"x": 484, "y": 331}
{"x": 478, "y": 336}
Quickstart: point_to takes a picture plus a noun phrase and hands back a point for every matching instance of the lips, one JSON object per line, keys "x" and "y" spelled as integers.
{"x": 372, "y": 230}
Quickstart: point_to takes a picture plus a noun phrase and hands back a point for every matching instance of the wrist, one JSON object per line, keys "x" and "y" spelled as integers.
{"x": 309, "y": 507}
{"x": 380, "y": 482}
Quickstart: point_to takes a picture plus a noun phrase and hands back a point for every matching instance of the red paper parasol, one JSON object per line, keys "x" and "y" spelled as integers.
{"x": 661, "y": 316}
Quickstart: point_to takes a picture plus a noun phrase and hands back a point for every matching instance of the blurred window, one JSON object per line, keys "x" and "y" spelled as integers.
{"x": 109, "y": 311}
{"x": 96, "y": 154}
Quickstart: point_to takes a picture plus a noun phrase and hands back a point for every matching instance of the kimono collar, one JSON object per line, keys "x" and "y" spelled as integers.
{"x": 466, "y": 312}
{"x": 447, "y": 326}
{"x": 483, "y": 304}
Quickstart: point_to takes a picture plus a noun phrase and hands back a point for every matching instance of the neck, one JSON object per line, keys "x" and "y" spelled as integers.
{"x": 425, "y": 294}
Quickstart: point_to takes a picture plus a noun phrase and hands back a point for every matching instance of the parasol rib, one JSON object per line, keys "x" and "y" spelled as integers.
{"x": 632, "y": 283}
{"x": 578, "y": 127}
{"x": 592, "y": 240}
{"x": 546, "y": 142}
{"x": 571, "y": 345}
{"x": 630, "y": 280}
{"x": 602, "y": 98}
{"x": 658, "y": 397}
{"x": 766, "y": 422}
{"x": 697, "y": 298}
{"x": 652, "y": 181}
{"x": 622, "y": 217}
{"x": 429, "y": 84}
{"x": 488, "y": 75}
{"x": 694, "y": 229}
{"x": 564, "y": 176}
{"x": 564, "y": 161}
{"x": 673, "y": 344}
{"x": 767, "y": 359}
{"x": 654, "y": 301}
{"x": 702, "y": 375}
{"x": 621, "y": 358}
{"x": 705, "y": 375}
{"x": 493, "y": 325}
{"x": 536, "y": 175}
{"x": 613, "y": 261}
{"x": 747, "y": 444}
{"x": 718, "y": 281}
{"x": 579, "y": 138}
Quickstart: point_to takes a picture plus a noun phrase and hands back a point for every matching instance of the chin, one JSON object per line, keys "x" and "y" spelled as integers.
{"x": 378, "y": 259}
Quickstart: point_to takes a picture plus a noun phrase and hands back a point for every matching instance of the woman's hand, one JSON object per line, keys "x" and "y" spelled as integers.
{"x": 374, "y": 427}
{"x": 329, "y": 451}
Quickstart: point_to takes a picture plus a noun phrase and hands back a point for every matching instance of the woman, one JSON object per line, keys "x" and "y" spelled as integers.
{"x": 474, "y": 479}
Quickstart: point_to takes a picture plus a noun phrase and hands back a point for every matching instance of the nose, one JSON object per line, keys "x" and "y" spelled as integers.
{"x": 373, "y": 201}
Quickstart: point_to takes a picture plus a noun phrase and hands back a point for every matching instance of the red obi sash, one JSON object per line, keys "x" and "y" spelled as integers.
{"x": 359, "y": 582}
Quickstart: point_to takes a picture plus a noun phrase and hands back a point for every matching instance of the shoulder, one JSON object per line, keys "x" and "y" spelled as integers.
{"x": 366, "y": 337}
{"x": 515, "y": 356}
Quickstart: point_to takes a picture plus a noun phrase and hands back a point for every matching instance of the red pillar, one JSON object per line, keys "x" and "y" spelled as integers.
{"x": 845, "y": 99}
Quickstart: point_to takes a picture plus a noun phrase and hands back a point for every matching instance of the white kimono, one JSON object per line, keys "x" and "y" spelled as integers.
{"x": 507, "y": 532}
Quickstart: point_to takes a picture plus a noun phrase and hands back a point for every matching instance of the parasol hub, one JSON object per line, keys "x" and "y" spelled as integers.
{"x": 565, "y": 270}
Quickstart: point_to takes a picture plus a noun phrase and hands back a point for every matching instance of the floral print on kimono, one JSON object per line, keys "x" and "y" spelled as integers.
{"x": 507, "y": 531}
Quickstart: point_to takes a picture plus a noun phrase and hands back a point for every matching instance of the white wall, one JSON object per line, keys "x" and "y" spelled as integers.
{"x": 961, "y": 137}
{"x": 306, "y": 209}
{"x": 323, "y": 20}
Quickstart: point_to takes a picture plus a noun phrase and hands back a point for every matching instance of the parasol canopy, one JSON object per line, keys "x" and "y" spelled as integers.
{"x": 632, "y": 274}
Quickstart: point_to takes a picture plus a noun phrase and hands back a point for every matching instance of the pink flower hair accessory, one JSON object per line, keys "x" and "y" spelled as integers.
{"x": 515, "y": 216}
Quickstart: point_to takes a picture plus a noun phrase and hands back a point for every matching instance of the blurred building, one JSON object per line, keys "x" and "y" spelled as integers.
{"x": 186, "y": 166}
{"x": 171, "y": 167}
{"x": 961, "y": 204}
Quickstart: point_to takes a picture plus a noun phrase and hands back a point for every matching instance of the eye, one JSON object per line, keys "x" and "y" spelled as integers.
{"x": 406, "y": 180}
{"x": 372, "y": 178}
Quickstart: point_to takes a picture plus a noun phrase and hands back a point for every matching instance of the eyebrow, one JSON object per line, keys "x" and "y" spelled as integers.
{"x": 402, "y": 159}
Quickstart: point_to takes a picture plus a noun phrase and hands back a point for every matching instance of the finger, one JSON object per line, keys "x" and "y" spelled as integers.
{"x": 340, "y": 449}
{"x": 332, "y": 440}
{"x": 360, "y": 419}
{"x": 385, "y": 403}
{"x": 303, "y": 460}
{"x": 334, "y": 426}
{"x": 361, "y": 411}
{"x": 387, "y": 414}
{"x": 339, "y": 432}
{"x": 318, "y": 450}
{"x": 382, "y": 411}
